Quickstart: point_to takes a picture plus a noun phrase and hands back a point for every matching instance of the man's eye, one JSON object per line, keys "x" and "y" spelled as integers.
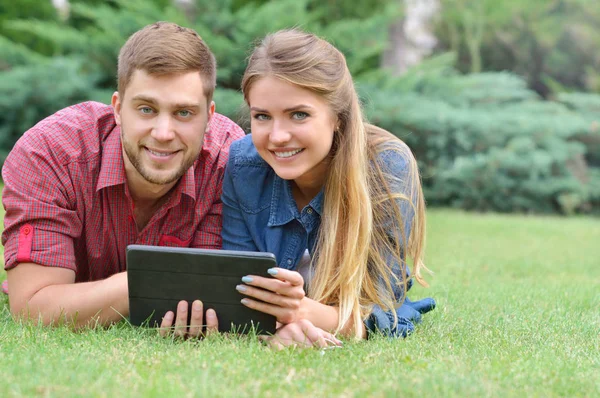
{"x": 300, "y": 115}
{"x": 184, "y": 113}
{"x": 261, "y": 116}
{"x": 146, "y": 110}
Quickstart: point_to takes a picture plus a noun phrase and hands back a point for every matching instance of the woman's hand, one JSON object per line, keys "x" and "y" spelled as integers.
{"x": 282, "y": 296}
{"x": 301, "y": 333}
{"x": 181, "y": 329}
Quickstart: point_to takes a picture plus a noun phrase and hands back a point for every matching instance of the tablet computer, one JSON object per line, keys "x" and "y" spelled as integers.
{"x": 159, "y": 277}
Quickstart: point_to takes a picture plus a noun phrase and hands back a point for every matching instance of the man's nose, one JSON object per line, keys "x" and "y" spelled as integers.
{"x": 163, "y": 129}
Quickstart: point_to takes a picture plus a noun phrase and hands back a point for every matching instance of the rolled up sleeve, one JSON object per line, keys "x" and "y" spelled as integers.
{"x": 41, "y": 221}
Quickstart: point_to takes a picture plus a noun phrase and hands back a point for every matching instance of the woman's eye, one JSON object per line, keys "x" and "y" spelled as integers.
{"x": 299, "y": 115}
{"x": 184, "y": 113}
{"x": 261, "y": 116}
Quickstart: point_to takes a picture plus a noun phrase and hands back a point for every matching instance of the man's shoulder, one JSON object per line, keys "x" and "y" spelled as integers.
{"x": 222, "y": 132}
{"x": 72, "y": 133}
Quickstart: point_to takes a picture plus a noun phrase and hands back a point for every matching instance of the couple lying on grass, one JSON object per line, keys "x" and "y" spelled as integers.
{"x": 338, "y": 201}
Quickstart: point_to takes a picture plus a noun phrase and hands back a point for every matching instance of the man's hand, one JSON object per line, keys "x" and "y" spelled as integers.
{"x": 194, "y": 330}
{"x": 281, "y": 296}
{"x": 301, "y": 334}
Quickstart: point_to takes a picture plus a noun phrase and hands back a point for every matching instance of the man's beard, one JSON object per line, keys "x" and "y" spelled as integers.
{"x": 135, "y": 159}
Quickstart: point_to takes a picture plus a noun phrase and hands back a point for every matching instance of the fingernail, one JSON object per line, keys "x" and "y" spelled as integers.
{"x": 197, "y": 306}
{"x": 182, "y": 307}
{"x": 247, "y": 279}
{"x": 169, "y": 316}
{"x": 245, "y": 301}
{"x": 272, "y": 271}
{"x": 240, "y": 288}
{"x": 210, "y": 313}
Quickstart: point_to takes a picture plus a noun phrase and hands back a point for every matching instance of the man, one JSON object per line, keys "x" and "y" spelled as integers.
{"x": 91, "y": 179}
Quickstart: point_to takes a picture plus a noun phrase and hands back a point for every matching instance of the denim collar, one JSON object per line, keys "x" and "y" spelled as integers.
{"x": 283, "y": 205}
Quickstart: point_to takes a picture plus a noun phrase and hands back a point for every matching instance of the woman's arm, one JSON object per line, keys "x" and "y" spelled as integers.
{"x": 399, "y": 169}
{"x": 283, "y": 297}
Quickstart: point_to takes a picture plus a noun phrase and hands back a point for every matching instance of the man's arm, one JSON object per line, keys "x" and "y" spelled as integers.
{"x": 49, "y": 295}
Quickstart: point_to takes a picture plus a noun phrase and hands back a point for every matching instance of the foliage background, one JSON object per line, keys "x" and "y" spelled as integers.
{"x": 503, "y": 116}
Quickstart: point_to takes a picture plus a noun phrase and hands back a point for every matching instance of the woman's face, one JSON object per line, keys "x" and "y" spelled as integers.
{"x": 292, "y": 129}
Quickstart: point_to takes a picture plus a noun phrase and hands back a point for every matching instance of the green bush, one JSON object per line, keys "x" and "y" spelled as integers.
{"x": 95, "y": 31}
{"x": 486, "y": 142}
{"x": 30, "y": 93}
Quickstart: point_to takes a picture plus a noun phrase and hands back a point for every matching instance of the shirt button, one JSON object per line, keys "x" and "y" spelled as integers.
{"x": 309, "y": 210}
{"x": 26, "y": 230}
{"x": 289, "y": 261}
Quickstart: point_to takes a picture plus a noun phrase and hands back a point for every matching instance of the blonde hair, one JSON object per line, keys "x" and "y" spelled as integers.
{"x": 163, "y": 48}
{"x": 352, "y": 258}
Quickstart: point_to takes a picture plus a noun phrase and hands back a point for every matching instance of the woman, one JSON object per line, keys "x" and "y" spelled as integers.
{"x": 337, "y": 200}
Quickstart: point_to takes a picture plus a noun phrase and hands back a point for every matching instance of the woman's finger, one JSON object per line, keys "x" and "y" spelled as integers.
{"x": 332, "y": 340}
{"x": 290, "y": 276}
{"x": 269, "y": 297}
{"x": 314, "y": 335}
{"x": 284, "y": 288}
{"x": 300, "y": 337}
{"x": 282, "y": 314}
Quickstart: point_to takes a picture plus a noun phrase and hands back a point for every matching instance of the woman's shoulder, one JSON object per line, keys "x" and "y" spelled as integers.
{"x": 250, "y": 179}
{"x": 243, "y": 153}
{"x": 394, "y": 156}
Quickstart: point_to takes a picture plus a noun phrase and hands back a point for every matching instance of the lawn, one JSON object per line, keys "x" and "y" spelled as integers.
{"x": 518, "y": 315}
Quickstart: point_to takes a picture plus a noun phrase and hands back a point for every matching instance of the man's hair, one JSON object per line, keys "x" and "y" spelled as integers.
{"x": 164, "y": 48}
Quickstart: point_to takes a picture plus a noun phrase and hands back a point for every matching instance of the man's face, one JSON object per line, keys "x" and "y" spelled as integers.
{"x": 163, "y": 120}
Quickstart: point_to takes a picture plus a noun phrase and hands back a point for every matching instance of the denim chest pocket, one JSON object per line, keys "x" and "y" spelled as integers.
{"x": 254, "y": 187}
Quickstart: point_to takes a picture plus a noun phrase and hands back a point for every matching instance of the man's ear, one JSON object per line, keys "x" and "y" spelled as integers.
{"x": 211, "y": 113}
{"x": 211, "y": 109}
{"x": 116, "y": 105}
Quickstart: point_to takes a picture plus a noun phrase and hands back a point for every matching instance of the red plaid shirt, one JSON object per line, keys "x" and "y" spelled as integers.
{"x": 68, "y": 205}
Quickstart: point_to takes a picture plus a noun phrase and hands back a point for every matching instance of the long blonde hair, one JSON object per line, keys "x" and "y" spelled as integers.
{"x": 362, "y": 228}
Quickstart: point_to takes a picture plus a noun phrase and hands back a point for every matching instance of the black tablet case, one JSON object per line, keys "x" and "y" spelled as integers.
{"x": 159, "y": 277}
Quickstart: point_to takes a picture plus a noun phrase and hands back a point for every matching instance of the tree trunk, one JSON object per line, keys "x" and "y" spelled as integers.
{"x": 411, "y": 38}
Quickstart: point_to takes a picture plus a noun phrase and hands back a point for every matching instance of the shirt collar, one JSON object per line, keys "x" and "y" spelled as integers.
{"x": 112, "y": 168}
{"x": 283, "y": 205}
{"x": 188, "y": 182}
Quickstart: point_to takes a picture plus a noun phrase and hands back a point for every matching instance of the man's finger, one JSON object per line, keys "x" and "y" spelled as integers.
{"x": 197, "y": 319}
{"x": 212, "y": 323}
{"x": 165, "y": 325}
{"x": 181, "y": 319}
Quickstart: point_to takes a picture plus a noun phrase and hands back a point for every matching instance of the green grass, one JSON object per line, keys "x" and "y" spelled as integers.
{"x": 518, "y": 315}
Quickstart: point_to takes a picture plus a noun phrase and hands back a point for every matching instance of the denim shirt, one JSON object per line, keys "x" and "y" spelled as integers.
{"x": 260, "y": 214}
